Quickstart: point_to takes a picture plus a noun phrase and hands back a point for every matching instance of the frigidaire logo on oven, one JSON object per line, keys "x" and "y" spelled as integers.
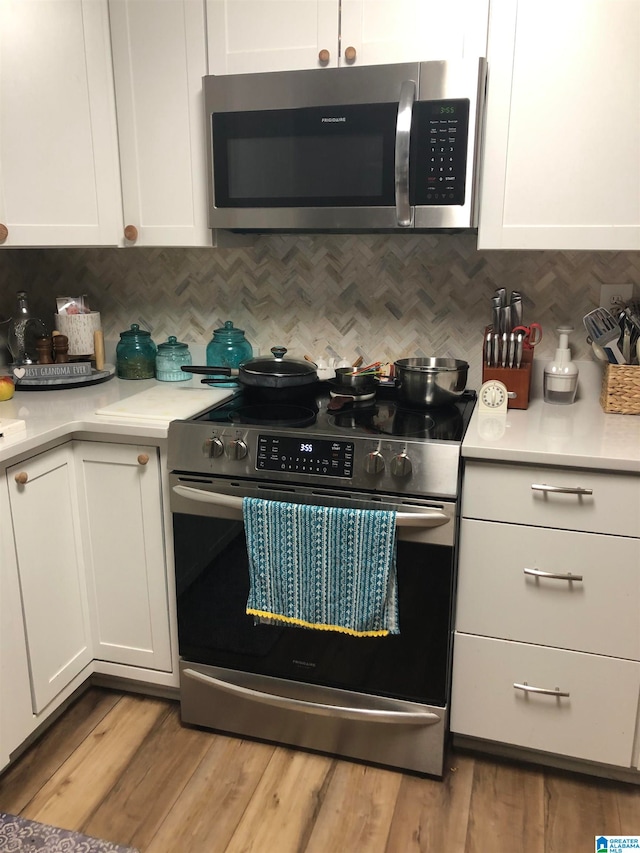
{"x": 333, "y": 119}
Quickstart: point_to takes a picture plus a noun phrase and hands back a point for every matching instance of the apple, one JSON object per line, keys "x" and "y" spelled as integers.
{"x": 7, "y": 388}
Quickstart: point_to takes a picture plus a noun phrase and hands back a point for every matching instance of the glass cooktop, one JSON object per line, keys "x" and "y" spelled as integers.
{"x": 321, "y": 413}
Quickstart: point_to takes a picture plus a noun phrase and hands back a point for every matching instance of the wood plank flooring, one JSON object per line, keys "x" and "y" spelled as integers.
{"x": 123, "y": 768}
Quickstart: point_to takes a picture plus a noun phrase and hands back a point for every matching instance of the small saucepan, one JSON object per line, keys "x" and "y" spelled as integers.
{"x": 267, "y": 379}
{"x": 349, "y": 386}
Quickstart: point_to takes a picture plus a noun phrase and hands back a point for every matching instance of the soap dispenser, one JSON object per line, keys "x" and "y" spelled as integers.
{"x": 561, "y": 374}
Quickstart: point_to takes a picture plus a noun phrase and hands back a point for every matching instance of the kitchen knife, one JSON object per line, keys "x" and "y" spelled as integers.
{"x": 519, "y": 342}
{"x": 488, "y": 349}
{"x": 516, "y": 309}
{"x": 496, "y": 316}
{"x": 495, "y": 355}
{"x": 505, "y": 342}
{"x": 505, "y": 324}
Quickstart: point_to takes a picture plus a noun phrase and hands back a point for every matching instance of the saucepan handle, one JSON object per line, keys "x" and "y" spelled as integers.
{"x": 225, "y": 371}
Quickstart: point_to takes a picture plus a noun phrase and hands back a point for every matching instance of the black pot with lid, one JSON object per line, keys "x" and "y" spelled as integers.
{"x": 271, "y": 378}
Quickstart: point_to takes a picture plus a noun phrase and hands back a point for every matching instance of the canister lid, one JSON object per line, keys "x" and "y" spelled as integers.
{"x": 135, "y": 332}
{"x": 172, "y": 344}
{"x": 229, "y": 331}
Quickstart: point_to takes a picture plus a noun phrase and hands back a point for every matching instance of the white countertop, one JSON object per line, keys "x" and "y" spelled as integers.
{"x": 52, "y": 415}
{"x": 580, "y": 435}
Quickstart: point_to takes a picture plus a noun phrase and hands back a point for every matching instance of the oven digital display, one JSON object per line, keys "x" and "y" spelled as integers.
{"x": 325, "y": 457}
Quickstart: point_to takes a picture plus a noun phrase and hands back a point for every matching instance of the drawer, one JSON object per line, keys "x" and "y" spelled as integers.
{"x": 592, "y": 501}
{"x": 498, "y": 597}
{"x": 594, "y": 722}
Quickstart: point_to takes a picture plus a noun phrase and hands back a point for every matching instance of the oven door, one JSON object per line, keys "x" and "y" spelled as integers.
{"x": 374, "y": 699}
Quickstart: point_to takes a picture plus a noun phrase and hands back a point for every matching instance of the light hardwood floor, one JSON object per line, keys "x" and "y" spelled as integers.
{"x": 121, "y": 767}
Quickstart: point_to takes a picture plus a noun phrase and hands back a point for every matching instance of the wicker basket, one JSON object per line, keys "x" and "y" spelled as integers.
{"x": 621, "y": 389}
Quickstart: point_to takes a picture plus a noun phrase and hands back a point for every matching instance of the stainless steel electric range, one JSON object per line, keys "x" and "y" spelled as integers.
{"x": 379, "y": 700}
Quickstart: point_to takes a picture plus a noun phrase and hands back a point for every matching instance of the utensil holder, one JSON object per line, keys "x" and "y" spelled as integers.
{"x": 620, "y": 392}
{"x": 516, "y": 379}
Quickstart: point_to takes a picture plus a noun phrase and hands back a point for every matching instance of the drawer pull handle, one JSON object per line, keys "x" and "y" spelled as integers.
{"x": 546, "y": 691}
{"x": 538, "y": 573}
{"x": 561, "y": 490}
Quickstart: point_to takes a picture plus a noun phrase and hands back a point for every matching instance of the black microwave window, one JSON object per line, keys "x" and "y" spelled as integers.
{"x": 318, "y": 157}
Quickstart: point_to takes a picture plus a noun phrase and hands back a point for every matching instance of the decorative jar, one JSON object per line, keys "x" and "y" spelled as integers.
{"x": 136, "y": 354}
{"x": 172, "y": 356}
{"x": 228, "y": 348}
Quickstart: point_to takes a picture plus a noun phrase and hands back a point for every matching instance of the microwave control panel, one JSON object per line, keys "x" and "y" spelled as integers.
{"x": 439, "y": 151}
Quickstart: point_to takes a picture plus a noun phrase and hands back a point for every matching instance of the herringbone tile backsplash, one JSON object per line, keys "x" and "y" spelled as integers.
{"x": 380, "y": 296}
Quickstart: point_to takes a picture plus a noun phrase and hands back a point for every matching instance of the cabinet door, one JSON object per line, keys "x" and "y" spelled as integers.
{"x": 44, "y": 513}
{"x": 284, "y": 35}
{"x": 159, "y": 58}
{"x": 59, "y": 176}
{"x": 384, "y": 31}
{"x": 123, "y": 540}
{"x": 247, "y": 36}
{"x": 16, "y": 711}
{"x": 562, "y": 144}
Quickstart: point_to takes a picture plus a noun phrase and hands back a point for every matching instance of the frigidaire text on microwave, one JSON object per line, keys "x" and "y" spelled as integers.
{"x": 373, "y": 148}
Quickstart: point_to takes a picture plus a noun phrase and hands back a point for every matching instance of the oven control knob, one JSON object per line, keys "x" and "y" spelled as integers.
{"x": 213, "y": 447}
{"x": 237, "y": 449}
{"x": 401, "y": 465}
{"x": 374, "y": 462}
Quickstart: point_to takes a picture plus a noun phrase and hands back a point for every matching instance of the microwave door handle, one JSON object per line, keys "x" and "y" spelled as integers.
{"x": 427, "y": 518}
{"x": 403, "y": 139}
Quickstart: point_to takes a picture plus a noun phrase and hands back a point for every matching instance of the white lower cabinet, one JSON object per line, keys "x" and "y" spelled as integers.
{"x": 121, "y": 528}
{"x": 16, "y": 709}
{"x": 592, "y": 716}
{"x": 547, "y": 641}
{"x": 44, "y": 514}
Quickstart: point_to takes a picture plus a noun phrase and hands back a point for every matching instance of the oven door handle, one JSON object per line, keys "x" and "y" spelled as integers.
{"x": 430, "y": 518}
{"x": 343, "y": 712}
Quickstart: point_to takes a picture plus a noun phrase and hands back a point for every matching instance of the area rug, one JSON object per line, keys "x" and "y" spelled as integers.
{"x": 18, "y": 835}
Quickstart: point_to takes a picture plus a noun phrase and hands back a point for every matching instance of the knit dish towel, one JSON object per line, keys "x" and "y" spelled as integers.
{"x": 328, "y": 568}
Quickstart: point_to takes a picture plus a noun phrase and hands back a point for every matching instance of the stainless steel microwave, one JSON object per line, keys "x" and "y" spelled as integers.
{"x": 373, "y": 148}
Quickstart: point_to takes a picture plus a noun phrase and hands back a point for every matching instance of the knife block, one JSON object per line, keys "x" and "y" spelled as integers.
{"x": 516, "y": 379}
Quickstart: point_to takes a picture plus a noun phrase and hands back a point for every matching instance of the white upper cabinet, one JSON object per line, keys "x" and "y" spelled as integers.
{"x": 247, "y": 36}
{"x": 562, "y": 145}
{"x": 59, "y": 178}
{"x": 159, "y": 58}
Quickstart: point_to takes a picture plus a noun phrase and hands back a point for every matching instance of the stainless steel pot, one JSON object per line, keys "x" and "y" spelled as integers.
{"x": 425, "y": 382}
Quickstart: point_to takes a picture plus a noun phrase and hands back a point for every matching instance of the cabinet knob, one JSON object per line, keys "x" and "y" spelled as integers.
{"x": 143, "y": 458}
{"x": 350, "y": 54}
{"x": 21, "y": 478}
{"x": 324, "y": 56}
{"x": 131, "y": 233}
{"x": 4, "y": 232}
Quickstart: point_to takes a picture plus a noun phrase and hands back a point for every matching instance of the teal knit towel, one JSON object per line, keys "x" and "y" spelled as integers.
{"x": 327, "y": 568}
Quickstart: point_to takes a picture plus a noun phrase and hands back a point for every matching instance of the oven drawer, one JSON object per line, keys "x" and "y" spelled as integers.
{"x": 571, "y": 499}
{"x": 591, "y": 580}
{"x": 355, "y": 725}
{"x": 592, "y": 717}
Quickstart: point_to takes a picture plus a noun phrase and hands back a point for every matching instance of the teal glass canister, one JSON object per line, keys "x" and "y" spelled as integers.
{"x": 228, "y": 348}
{"x": 136, "y": 354}
{"x": 171, "y": 358}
